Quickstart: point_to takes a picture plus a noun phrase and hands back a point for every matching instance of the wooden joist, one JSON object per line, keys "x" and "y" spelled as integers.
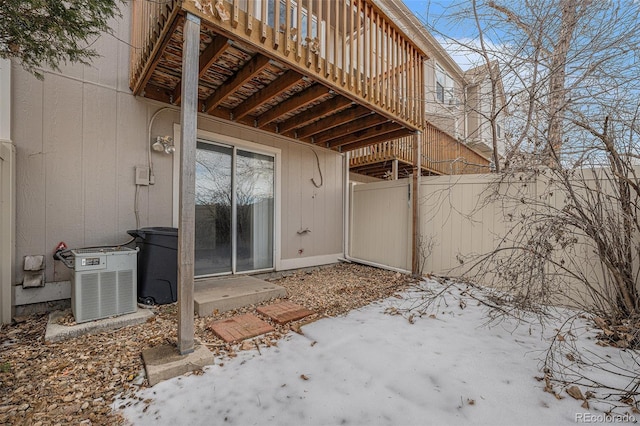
{"x": 212, "y": 53}
{"x": 363, "y": 134}
{"x": 250, "y": 69}
{"x": 208, "y": 57}
{"x": 283, "y": 83}
{"x": 329, "y": 106}
{"x": 295, "y": 102}
{"x": 156, "y": 93}
{"x": 350, "y": 127}
{"x": 383, "y": 136}
{"x": 332, "y": 121}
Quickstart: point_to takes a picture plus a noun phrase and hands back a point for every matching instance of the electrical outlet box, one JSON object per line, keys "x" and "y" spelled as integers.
{"x": 142, "y": 175}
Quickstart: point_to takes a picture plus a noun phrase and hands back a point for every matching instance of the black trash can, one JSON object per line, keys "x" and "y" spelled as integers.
{"x": 157, "y": 264}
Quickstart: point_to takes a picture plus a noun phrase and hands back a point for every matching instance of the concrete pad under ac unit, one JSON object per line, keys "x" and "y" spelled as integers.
{"x": 56, "y": 332}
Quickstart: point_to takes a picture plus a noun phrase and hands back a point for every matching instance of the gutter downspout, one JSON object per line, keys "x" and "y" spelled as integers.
{"x": 7, "y": 195}
{"x": 465, "y": 114}
{"x": 346, "y": 217}
{"x": 415, "y": 207}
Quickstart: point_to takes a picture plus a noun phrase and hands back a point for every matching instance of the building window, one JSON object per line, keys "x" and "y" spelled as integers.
{"x": 439, "y": 92}
{"x": 498, "y": 130}
{"x": 444, "y": 86}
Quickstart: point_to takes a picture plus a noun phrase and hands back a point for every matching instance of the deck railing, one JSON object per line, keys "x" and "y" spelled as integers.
{"x": 446, "y": 155}
{"x": 441, "y": 154}
{"x": 148, "y": 22}
{"x": 399, "y": 149}
{"x": 350, "y": 45}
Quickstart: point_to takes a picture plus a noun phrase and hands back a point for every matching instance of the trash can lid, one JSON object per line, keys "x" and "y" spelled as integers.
{"x": 162, "y": 230}
{"x": 154, "y": 230}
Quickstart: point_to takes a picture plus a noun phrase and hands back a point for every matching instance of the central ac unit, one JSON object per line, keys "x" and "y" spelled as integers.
{"x": 104, "y": 283}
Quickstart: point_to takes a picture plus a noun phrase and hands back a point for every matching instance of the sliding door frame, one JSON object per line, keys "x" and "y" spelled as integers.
{"x": 235, "y": 143}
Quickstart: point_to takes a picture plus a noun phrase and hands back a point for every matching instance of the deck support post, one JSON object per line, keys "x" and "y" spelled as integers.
{"x": 186, "y": 213}
{"x": 394, "y": 169}
{"x": 417, "y": 171}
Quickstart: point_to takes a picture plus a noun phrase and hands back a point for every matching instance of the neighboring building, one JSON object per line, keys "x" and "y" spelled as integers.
{"x": 456, "y": 131}
{"x": 479, "y": 99}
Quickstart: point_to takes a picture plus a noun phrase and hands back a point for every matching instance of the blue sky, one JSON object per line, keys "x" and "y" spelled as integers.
{"x": 434, "y": 12}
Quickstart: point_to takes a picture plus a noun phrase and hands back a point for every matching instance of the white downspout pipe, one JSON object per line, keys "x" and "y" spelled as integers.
{"x": 346, "y": 217}
{"x": 465, "y": 114}
{"x": 5, "y": 100}
{"x": 7, "y": 195}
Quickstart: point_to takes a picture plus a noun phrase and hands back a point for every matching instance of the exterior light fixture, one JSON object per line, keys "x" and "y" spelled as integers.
{"x": 164, "y": 144}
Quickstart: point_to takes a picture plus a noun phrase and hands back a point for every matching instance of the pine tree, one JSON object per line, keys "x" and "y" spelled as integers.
{"x": 48, "y": 33}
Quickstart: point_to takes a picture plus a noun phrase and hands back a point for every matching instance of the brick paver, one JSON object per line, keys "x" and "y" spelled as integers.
{"x": 240, "y": 328}
{"x": 284, "y": 312}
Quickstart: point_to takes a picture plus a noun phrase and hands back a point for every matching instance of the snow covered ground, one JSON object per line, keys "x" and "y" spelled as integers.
{"x": 371, "y": 368}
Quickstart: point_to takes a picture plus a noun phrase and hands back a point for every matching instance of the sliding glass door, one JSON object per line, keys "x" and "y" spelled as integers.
{"x": 213, "y": 209}
{"x": 254, "y": 211}
{"x": 234, "y": 210}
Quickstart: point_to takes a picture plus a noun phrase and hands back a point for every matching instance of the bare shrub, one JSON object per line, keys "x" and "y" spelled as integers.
{"x": 568, "y": 185}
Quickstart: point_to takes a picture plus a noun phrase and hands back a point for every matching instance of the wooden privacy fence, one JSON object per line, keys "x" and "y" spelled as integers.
{"x": 454, "y": 221}
{"x": 457, "y": 222}
{"x": 381, "y": 221}
{"x": 450, "y": 221}
{"x": 380, "y": 226}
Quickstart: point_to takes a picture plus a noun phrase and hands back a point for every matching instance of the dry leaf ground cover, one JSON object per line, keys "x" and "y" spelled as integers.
{"x": 79, "y": 380}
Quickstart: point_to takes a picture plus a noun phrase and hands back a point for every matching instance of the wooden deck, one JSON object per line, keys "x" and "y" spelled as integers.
{"x": 441, "y": 155}
{"x": 348, "y": 80}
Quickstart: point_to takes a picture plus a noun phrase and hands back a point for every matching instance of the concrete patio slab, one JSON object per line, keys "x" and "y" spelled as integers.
{"x": 240, "y": 327}
{"x": 284, "y": 312}
{"x": 56, "y": 332}
{"x": 227, "y": 293}
{"x": 165, "y": 362}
